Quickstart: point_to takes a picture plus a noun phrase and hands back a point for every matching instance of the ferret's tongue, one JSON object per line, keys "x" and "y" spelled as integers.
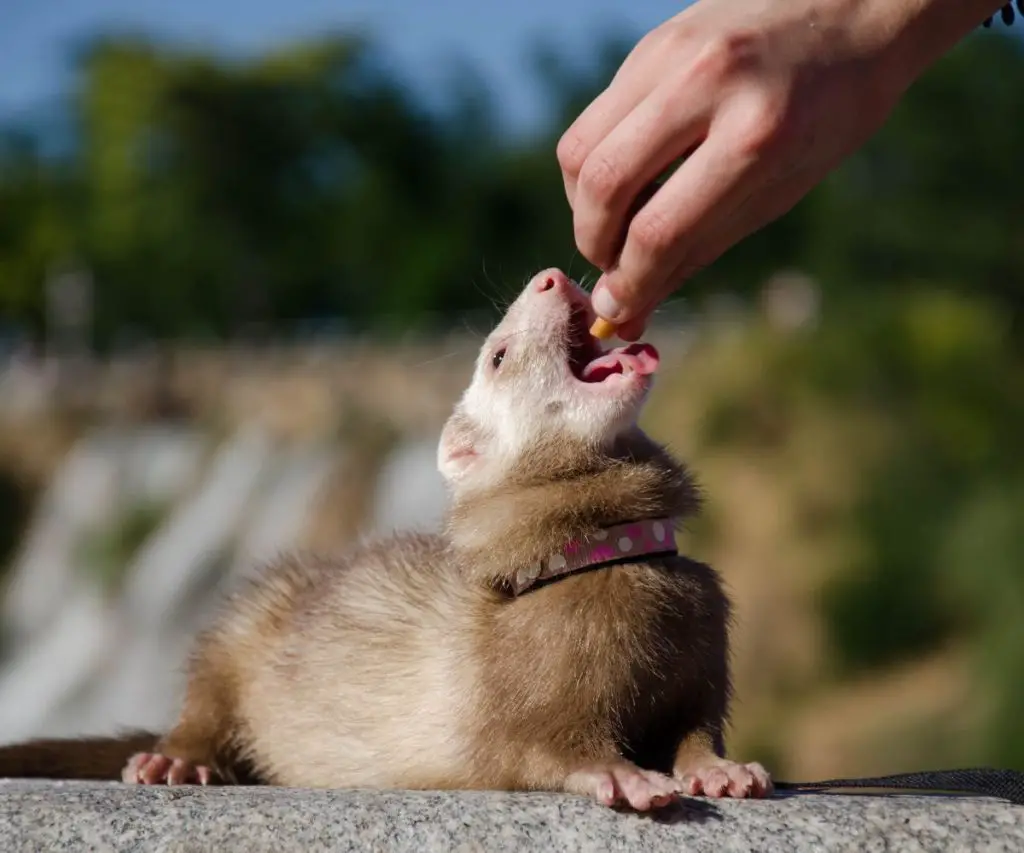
{"x": 638, "y": 358}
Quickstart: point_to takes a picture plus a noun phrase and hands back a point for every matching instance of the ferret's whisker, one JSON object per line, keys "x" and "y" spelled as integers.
{"x": 572, "y": 260}
{"x": 495, "y": 297}
{"x": 435, "y": 359}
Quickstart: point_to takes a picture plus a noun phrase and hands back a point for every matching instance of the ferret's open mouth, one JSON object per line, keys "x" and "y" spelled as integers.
{"x": 589, "y": 363}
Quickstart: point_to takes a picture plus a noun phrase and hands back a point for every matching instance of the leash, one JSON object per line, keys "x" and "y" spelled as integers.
{"x": 1006, "y": 14}
{"x": 976, "y": 781}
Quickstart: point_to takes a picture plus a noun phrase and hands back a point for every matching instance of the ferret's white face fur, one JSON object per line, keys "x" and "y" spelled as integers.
{"x": 540, "y": 375}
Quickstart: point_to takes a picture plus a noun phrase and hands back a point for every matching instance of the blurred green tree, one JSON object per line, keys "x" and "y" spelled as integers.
{"x": 209, "y": 195}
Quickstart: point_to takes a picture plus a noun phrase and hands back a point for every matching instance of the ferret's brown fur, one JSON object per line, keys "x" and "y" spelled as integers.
{"x": 96, "y": 758}
{"x": 408, "y": 663}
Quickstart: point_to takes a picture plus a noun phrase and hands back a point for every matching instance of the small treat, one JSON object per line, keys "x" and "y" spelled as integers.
{"x": 602, "y": 329}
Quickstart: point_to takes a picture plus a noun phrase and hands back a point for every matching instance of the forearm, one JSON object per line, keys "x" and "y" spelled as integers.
{"x": 920, "y": 32}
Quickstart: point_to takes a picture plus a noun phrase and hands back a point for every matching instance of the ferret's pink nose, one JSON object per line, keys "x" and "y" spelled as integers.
{"x": 550, "y": 279}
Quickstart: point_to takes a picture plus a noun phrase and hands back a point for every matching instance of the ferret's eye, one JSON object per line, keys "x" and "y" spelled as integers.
{"x": 498, "y": 358}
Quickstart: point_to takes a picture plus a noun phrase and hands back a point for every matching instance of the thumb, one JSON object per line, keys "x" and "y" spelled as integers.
{"x": 633, "y": 329}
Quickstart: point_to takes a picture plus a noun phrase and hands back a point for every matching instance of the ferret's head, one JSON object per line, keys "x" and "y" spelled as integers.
{"x": 541, "y": 380}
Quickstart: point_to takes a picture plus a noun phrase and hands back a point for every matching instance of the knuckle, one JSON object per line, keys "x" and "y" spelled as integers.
{"x": 571, "y": 152}
{"x": 765, "y": 126}
{"x": 664, "y": 41}
{"x": 589, "y": 242}
{"x": 602, "y": 179}
{"x": 652, "y": 232}
{"x": 653, "y": 40}
{"x": 726, "y": 56}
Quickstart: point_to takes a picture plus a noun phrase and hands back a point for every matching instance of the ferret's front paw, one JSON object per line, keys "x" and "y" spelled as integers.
{"x": 721, "y": 778}
{"x": 151, "y": 768}
{"x": 623, "y": 783}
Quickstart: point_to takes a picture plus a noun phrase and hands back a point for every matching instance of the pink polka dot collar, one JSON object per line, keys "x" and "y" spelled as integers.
{"x": 621, "y": 543}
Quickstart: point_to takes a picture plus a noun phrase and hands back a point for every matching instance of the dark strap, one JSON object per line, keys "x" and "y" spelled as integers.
{"x": 1006, "y": 13}
{"x": 979, "y": 781}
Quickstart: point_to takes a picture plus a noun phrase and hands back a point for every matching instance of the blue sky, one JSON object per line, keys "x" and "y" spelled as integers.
{"x": 421, "y": 36}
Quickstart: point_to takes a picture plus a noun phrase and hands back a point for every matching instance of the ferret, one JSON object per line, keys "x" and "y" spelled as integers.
{"x": 549, "y": 638}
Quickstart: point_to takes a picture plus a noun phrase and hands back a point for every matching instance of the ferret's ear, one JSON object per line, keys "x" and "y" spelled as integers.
{"x": 461, "y": 449}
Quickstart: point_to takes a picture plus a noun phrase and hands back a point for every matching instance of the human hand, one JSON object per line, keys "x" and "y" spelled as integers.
{"x": 766, "y": 98}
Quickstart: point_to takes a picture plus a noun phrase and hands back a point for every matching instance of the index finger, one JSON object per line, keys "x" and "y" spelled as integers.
{"x": 665, "y": 126}
{"x": 704, "y": 193}
{"x": 583, "y": 135}
{"x": 636, "y": 77}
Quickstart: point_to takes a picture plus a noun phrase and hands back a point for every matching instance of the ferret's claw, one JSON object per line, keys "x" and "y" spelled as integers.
{"x": 147, "y": 768}
{"x": 624, "y": 784}
{"x": 722, "y": 778}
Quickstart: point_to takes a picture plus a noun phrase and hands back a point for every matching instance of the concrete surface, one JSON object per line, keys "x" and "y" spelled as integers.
{"x": 36, "y": 816}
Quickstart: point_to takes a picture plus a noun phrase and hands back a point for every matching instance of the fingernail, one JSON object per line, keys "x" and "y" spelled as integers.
{"x": 605, "y": 305}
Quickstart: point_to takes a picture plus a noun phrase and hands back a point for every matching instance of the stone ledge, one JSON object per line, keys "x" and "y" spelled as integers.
{"x": 37, "y": 816}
